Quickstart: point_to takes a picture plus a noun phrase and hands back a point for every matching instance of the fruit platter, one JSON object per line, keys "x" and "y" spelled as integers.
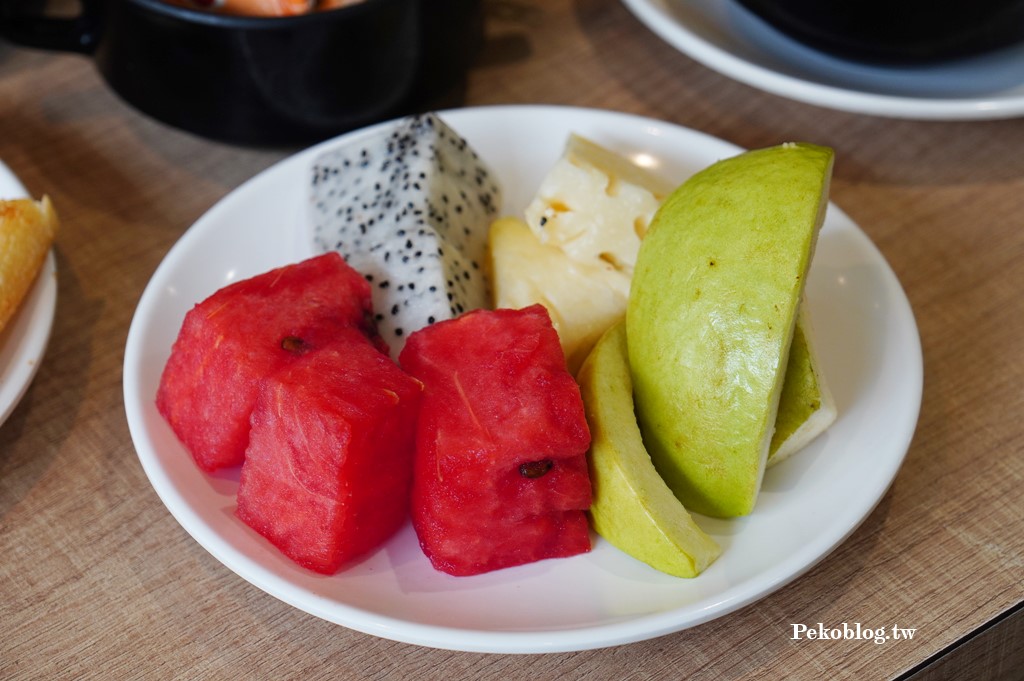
{"x": 866, "y": 345}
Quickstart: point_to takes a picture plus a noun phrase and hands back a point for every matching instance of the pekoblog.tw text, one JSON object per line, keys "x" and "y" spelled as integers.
{"x": 855, "y": 631}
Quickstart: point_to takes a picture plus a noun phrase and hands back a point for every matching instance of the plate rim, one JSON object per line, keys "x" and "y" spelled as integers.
{"x": 496, "y": 641}
{"x": 655, "y": 15}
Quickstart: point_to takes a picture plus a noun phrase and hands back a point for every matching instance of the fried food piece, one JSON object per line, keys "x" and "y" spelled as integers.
{"x": 264, "y": 8}
{"x": 253, "y": 8}
{"x": 27, "y": 230}
{"x": 335, "y": 4}
{"x": 267, "y": 8}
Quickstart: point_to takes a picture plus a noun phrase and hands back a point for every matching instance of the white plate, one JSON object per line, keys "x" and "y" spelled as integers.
{"x": 811, "y": 503}
{"x": 24, "y": 340}
{"x": 727, "y": 38}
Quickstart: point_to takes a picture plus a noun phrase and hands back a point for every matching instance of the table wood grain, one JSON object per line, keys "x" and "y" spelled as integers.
{"x": 97, "y": 580}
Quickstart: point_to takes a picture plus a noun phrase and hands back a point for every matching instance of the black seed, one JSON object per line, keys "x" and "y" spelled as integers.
{"x": 535, "y": 469}
{"x": 294, "y": 344}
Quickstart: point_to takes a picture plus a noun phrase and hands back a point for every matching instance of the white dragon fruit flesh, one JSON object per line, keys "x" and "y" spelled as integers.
{"x": 408, "y": 207}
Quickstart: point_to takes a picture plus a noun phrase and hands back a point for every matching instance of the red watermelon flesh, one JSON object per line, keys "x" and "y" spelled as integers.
{"x": 245, "y": 331}
{"x": 328, "y": 469}
{"x": 500, "y": 475}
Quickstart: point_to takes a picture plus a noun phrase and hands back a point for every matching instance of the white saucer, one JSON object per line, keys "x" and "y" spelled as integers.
{"x": 24, "y": 340}
{"x": 729, "y": 39}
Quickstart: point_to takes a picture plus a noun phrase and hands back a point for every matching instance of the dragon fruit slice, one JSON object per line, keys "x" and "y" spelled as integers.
{"x": 408, "y": 206}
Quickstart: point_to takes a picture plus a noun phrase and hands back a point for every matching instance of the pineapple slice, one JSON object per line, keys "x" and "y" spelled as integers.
{"x": 596, "y": 205}
{"x": 575, "y": 252}
{"x": 583, "y": 299}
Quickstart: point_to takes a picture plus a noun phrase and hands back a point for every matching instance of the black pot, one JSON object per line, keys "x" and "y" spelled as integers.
{"x": 266, "y": 81}
{"x": 896, "y": 31}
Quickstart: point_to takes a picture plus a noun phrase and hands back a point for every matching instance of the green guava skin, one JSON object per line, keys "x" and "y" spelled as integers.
{"x": 632, "y": 507}
{"x": 711, "y": 315}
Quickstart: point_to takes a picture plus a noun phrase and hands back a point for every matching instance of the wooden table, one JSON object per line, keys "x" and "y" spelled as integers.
{"x": 98, "y": 581}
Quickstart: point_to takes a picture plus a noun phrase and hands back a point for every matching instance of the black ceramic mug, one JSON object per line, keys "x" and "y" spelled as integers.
{"x": 897, "y": 31}
{"x": 265, "y": 81}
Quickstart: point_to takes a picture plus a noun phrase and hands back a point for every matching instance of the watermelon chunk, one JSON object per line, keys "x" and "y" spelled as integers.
{"x": 500, "y": 474}
{"x": 245, "y": 331}
{"x": 328, "y": 469}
